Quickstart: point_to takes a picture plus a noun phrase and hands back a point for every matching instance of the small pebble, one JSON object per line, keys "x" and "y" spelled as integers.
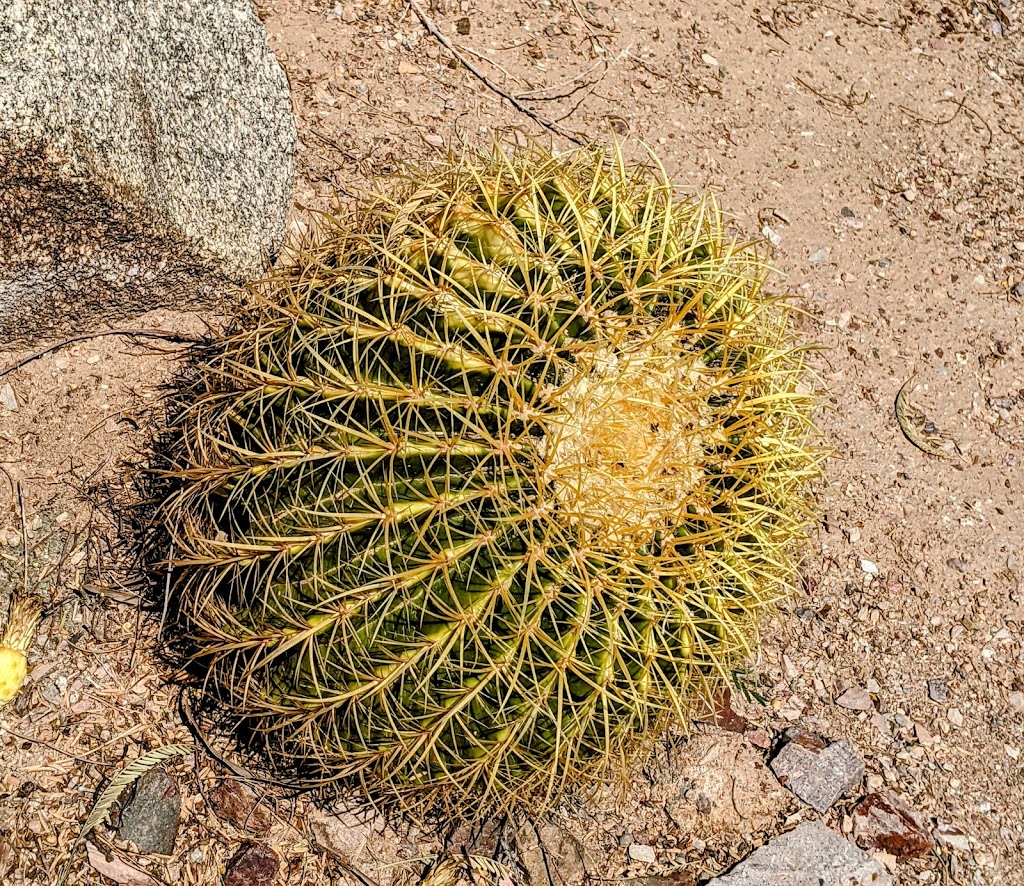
{"x": 642, "y": 853}
{"x": 955, "y": 717}
{"x": 1016, "y": 700}
{"x": 856, "y": 699}
{"x": 951, "y": 836}
{"x": 938, "y": 691}
{"x": 759, "y": 738}
{"x": 820, "y": 256}
{"x": 8, "y": 399}
{"x": 868, "y": 568}
{"x": 256, "y": 864}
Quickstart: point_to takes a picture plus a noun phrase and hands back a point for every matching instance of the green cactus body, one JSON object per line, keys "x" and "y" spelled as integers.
{"x": 493, "y": 482}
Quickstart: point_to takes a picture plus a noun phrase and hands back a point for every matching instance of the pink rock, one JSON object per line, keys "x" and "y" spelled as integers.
{"x": 759, "y": 738}
{"x": 883, "y": 821}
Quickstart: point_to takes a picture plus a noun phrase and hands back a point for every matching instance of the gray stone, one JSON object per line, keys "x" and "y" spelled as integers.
{"x": 809, "y": 855}
{"x": 150, "y": 817}
{"x": 818, "y": 776}
{"x": 145, "y": 157}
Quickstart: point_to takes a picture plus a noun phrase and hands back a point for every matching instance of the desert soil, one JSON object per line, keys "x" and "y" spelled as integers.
{"x": 881, "y": 148}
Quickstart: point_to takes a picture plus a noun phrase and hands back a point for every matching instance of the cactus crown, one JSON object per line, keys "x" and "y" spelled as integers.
{"x": 493, "y": 481}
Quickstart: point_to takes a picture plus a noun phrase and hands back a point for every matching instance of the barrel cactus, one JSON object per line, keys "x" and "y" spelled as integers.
{"x": 492, "y": 481}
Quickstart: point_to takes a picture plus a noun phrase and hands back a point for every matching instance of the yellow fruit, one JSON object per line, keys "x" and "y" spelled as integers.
{"x": 13, "y": 667}
{"x": 21, "y": 630}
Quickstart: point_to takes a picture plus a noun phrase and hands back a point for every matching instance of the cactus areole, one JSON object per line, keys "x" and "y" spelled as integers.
{"x": 493, "y": 481}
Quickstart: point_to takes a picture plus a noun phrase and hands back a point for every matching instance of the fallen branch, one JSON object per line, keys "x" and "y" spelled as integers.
{"x": 432, "y": 28}
{"x": 140, "y": 333}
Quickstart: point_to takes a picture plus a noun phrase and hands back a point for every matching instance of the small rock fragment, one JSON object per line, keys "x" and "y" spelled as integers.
{"x": 150, "y": 816}
{"x": 868, "y": 567}
{"x": 850, "y": 219}
{"x": 725, "y": 716}
{"x": 951, "y": 836}
{"x": 808, "y": 855}
{"x": 551, "y": 848}
{"x": 883, "y": 821}
{"x": 8, "y": 399}
{"x": 881, "y": 724}
{"x": 343, "y": 835}
{"x": 856, "y": 699}
{"x": 238, "y": 804}
{"x": 938, "y": 691}
{"x": 677, "y": 877}
{"x": 759, "y": 738}
{"x": 820, "y": 256}
{"x": 806, "y": 737}
{"x": 955, "y": 717}
{"x": 792, "y": 709}
{"x": 256, "y": 864}
{"x": 642, "y": 852}
{"x": 1016, "y": 700}
{"x": 819, "y": 777}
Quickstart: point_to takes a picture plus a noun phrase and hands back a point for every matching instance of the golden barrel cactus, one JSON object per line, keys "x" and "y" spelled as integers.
{"x": 492, "y": 482}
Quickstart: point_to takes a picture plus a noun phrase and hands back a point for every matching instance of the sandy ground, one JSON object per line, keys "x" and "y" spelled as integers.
{"x": 881, "y": 148}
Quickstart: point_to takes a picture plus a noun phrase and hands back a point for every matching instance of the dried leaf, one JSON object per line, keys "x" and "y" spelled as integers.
{"x": 118, "y": 870}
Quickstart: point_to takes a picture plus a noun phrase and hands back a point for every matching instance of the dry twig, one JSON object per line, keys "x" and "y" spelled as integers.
{"x": 137, "y": 333}
{"x": 435, "y": 32}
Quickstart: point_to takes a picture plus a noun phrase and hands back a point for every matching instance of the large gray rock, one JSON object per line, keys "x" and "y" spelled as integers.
{"x": 808, "y": 855}
{"x": 145, "y": 156}
{"x": 818, "y": 775}
{"x": 152, "y": 813}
